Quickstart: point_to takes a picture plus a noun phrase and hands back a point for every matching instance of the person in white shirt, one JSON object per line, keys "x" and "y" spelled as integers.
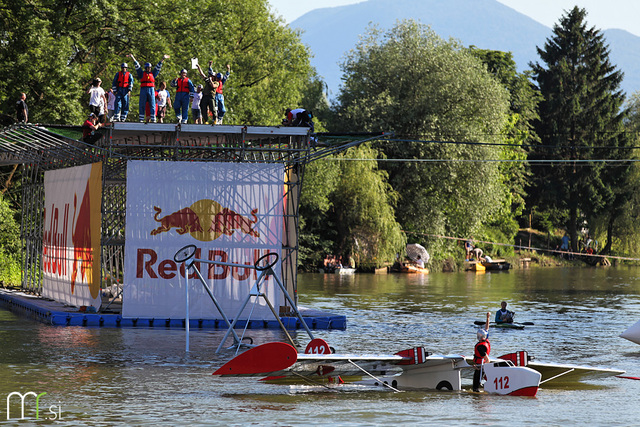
{"x": 97, "y": 100}
{"x": 111, "y": 104}
{"x": 195, "y": 105}
{"x": 164, "y": 100}
{"x": 419, "y": 262}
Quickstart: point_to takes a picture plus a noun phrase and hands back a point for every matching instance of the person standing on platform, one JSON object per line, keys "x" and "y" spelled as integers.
{"x": 147, "y": 88}
{"x": 111, "y": 104}
{"x": 219, "y": 96}
{"x": 164, "y": 101}
{"x": 97, "y": 99}
{"x": 184, "y": 87}
{"x": 208, "y": 95}
{"x": 22, "y": 111}
{"x": 122, "y": 86}
{"x": 481, "y": 353}
{"x": 195, "y": 105}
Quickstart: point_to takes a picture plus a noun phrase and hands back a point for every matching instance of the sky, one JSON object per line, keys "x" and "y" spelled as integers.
{"x": 603, "y": 14}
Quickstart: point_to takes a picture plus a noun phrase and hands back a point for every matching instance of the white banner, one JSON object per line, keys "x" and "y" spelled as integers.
{"x": 232, "y": 213}
{"x": 71, "y": 237}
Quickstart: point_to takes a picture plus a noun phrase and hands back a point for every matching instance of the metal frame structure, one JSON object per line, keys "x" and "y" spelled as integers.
{"x": 43, "y": 148}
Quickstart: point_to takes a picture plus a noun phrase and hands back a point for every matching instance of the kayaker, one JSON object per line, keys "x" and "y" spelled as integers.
{"x": 481, "y": 353}
{"x": 419, "y": 262}
{"x": 503, "y": 315}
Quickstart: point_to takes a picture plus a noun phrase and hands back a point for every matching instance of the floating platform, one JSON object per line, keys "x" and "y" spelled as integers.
{"x": 58, "y": 314}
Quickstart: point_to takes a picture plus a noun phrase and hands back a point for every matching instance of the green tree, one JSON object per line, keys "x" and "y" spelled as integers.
{"x": 317, "y": 229}
{"x": 429, "y": 91}
{"x": 10, "y": 250}
{"x": 52, "y": 51}
{"x": 347, "y": 208}
{"x": 580, "y": 113}
{"x": 518, "y": 132}
{"x": 363, "y": 210}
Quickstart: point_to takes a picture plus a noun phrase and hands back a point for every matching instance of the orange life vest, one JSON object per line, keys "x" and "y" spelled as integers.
{"x": 477, "y": 358}
{"x": 147, "y": 79}
{"x": 124, "y": 79}
{"x": 183, "y": 85}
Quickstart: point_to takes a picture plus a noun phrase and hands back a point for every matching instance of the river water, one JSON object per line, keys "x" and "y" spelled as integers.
{"x": 139, "y": 377}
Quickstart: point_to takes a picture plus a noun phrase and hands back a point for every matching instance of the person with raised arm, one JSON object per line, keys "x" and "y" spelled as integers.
{"x": 481, "y": 353}
{"x": 147, "y": 87}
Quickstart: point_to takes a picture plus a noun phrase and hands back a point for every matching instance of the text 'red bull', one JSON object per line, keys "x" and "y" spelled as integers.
{"x": 148, "y": 266}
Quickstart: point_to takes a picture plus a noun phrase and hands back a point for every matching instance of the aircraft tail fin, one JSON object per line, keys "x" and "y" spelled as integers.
{"x": 261, "y": 360}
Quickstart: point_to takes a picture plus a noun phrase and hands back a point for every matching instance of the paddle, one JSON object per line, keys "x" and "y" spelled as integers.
{"x": 480, "y": 323}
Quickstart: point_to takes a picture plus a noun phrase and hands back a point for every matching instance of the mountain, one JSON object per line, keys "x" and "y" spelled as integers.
{"x": 486, "y": 24}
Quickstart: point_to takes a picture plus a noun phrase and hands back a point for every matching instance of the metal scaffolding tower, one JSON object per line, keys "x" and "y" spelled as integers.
{"x": 42, "y": 148}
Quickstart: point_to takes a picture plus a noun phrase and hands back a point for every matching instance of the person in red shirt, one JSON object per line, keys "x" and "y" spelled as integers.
{"x": 90, "y": 128}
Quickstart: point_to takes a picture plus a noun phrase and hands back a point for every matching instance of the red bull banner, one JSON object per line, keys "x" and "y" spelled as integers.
{"x": 71, "y": 237}
{"x": 232, "y": 212}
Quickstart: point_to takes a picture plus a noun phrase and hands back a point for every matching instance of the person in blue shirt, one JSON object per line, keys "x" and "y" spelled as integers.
{"x": 503, "y": 315}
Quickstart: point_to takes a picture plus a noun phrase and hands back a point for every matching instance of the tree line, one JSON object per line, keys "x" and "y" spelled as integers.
{"x": 477, "y": 147}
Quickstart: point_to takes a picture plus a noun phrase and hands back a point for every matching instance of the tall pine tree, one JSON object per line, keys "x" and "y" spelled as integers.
{"x": 580, "y": 119}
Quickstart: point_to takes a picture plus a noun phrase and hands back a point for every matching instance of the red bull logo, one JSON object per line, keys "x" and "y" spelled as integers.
{"x": 206, "y": 220}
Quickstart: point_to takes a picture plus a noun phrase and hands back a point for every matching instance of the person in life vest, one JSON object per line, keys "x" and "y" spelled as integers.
{"x": 147, "y": 88}
{"x": 481, "y": 353}
{"x": 122, "y": 86}
{"x": 184, "y": 87}
{"x": 219, "y": 96}
{"x": 503, "y": 315}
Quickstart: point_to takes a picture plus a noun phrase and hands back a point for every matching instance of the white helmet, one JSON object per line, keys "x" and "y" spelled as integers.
{"x": 482, "y": 334}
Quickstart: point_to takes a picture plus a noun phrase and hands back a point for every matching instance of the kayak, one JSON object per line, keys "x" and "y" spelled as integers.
{"x": 507, "y": 325}
{"x": 514, "y": 325}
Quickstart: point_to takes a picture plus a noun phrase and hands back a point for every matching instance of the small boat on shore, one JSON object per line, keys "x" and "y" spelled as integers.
{"x": 496, "y": 265}
{"x": 474, "y": 266}
{"x": 407, "y": 268}
{"x": 418, "y": 257}
{"x": 337, "y": 270}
